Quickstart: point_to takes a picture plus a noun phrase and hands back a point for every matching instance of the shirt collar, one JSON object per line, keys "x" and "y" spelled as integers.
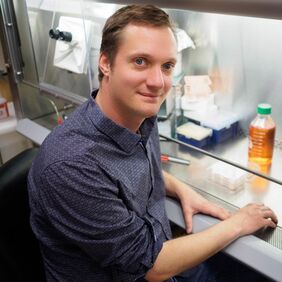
{"x": 124, "y": 138}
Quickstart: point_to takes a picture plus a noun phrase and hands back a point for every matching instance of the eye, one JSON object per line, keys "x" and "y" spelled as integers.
{"x": 168, "y": 66}
{"x": 140, "y": 61}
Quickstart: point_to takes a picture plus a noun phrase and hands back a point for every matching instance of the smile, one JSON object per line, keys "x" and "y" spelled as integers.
{"x": 149, "y": 95}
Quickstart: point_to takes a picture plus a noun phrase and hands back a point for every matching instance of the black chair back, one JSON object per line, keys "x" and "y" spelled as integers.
{"x": 20, "y": 258}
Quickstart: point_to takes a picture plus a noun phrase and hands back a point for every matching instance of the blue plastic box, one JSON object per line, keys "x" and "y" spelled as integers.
{"x": 194, "y": 134}
{"x": 200, "y": 144}
{"x": 224, "y": 125}
{"x": 225, "y": 133}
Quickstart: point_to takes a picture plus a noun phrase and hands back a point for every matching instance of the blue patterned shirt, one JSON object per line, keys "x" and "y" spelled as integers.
{"x": 97, "y": 199}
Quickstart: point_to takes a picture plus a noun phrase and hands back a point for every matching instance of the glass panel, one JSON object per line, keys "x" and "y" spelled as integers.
{"x": 241, "y": 58}
{"x": 240, "y": 55}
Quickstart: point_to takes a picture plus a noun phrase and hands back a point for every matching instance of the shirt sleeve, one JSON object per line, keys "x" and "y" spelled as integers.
{"x": 82, "y": 203}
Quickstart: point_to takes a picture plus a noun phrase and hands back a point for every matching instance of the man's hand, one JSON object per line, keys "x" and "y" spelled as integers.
{"x": 191, "y": 202}
{"x": 253, "y": 217}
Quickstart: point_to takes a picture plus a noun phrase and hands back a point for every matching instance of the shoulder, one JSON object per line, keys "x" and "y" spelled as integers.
{"x": 71, "y": 140}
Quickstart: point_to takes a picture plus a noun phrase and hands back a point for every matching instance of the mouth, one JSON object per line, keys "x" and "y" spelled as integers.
{"x": 149, "y": 95}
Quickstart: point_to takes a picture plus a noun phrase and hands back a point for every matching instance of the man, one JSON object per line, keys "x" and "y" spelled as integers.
{"x": 96, "y": 188}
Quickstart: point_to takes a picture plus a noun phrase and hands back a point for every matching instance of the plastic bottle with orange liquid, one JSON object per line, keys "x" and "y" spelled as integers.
{"x": 261, "y": 136}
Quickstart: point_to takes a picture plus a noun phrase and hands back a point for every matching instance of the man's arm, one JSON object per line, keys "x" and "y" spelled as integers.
{"x": 183, "y": 253}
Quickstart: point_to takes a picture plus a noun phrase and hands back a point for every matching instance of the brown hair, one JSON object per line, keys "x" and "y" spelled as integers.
{"x": 136, "y": 14}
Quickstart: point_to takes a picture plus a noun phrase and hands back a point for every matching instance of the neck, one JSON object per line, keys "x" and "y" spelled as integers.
{"x": 114, "y": 112}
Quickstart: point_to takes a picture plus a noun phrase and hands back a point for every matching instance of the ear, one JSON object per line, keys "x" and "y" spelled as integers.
{"x": 104, "y": 64}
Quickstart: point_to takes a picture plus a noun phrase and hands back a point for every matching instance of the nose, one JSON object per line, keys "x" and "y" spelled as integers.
{"x": 155, "y": 78}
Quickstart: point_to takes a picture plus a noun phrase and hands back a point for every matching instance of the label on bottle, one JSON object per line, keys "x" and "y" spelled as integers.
{"x": 261, "y": 142}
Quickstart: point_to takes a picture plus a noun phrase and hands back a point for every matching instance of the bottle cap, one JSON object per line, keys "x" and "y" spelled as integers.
{"x": 264, "y": 109}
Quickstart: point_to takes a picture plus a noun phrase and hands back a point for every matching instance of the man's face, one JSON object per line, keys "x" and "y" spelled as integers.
{"x": 141, "y": 74}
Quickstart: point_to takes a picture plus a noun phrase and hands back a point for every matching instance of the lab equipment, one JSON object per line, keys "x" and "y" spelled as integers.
{"x": 261, "y": 136}
{"x": 194, "y": 134}
{"x": 167, "y": 158}
{"x": 60, "y": 35}
{"x": 227, "y": 176}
